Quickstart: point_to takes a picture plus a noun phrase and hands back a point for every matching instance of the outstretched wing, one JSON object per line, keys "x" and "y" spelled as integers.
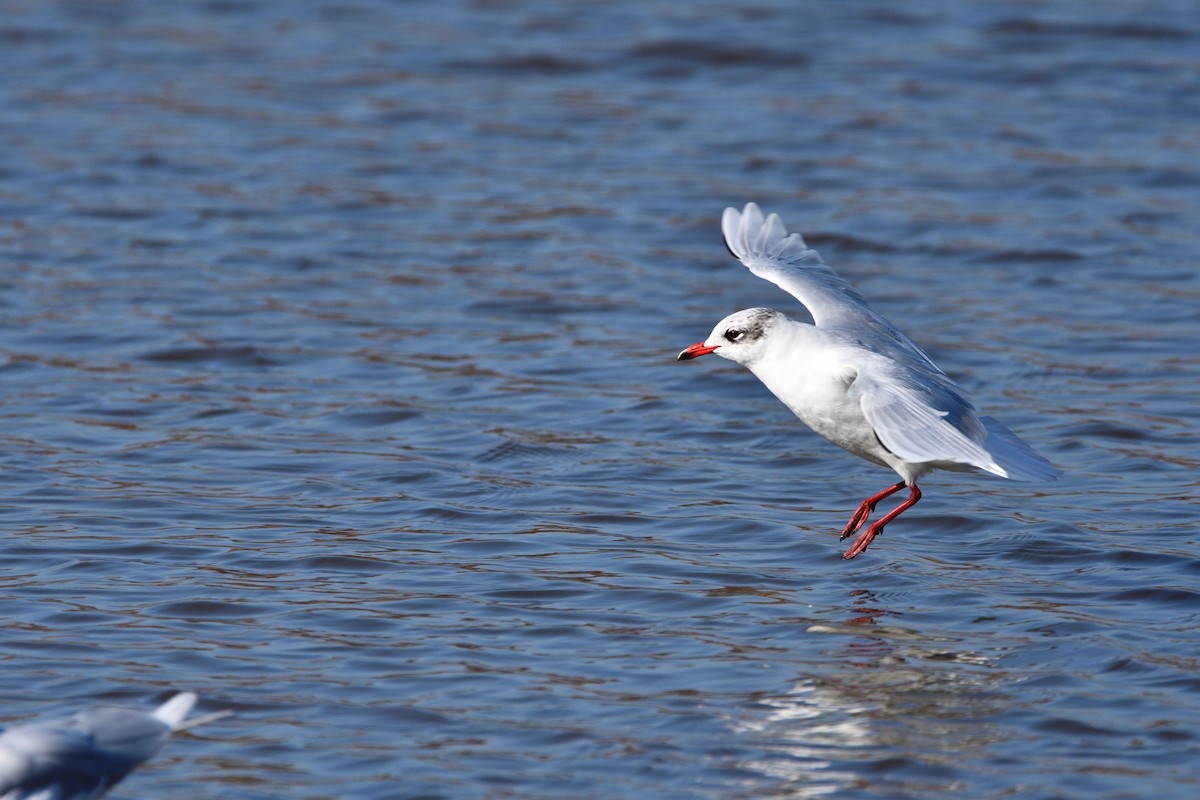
{"x": 771, "y": 253}
{"x": 783, "y": 258}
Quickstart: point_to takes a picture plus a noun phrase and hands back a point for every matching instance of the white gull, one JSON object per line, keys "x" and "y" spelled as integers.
{"x": 82, "y": 756}
{"x": 853, "y": 377}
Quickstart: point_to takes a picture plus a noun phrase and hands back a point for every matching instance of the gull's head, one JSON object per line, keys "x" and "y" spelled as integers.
{"x": 740, "y": 337}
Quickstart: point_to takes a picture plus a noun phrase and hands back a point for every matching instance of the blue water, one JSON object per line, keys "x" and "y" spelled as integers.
{"x": 339, "y": 387}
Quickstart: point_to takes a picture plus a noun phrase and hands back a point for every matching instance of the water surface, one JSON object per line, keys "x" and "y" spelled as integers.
{"x": 339, "y": 387}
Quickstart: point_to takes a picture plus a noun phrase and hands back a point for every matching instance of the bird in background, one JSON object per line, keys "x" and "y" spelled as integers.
{"x": 854, "y": 378}
{"x": 83, "y": 756}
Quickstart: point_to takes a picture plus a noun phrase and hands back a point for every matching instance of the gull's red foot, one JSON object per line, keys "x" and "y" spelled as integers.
{"x": 876, "y": 528}
{"x": 860, "y": 544}
{"x": 864, "y": 510}
{"x": 860, "y": 516}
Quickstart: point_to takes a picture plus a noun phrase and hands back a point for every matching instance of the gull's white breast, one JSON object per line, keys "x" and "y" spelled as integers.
{"x": 811, "y": 371}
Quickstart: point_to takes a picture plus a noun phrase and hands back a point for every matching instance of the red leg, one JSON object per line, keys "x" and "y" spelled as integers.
{"x": 876, "y": 528}
{"x": 866, "y": 507}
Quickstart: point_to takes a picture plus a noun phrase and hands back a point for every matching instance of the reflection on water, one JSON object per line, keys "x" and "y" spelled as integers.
{"x": 800, "y": 731}
{"x": 831, "y": 732}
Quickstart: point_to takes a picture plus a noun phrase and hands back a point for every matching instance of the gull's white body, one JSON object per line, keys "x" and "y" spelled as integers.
{"x": 811, "y": 371}
{"x": 83, "y": 756}
{"x": 851, "y": 375}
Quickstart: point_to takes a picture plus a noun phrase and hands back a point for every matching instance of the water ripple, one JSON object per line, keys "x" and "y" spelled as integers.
{"x": 338, "y": 355}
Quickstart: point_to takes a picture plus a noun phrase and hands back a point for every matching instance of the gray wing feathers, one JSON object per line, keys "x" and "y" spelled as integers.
{"x": 771, "y": 253}
{"x": 122, "y": 734}
{"x": 929, "y": 421}
{"x": 923, "y": 422}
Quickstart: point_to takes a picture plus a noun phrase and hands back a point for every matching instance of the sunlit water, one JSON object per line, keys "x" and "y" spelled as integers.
{"x": 339, "y": 387}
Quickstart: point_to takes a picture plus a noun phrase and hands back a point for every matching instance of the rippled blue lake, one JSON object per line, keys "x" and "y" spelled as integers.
{"x": 337, "y": 351}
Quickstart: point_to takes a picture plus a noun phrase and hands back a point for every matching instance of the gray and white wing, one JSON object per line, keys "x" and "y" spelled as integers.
{"x": 921, "y": 417}
{"x": 123, "y": 736}
{"x": 773, "y": 254}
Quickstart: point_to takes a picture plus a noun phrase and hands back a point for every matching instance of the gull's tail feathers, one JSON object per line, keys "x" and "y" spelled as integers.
{"x": 1017, "y": 459}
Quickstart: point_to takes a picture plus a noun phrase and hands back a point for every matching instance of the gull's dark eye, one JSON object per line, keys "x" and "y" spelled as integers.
{"x": 733, "y": 334}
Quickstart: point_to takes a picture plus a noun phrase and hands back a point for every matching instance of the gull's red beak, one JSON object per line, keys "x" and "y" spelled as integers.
{"x": 696, "y": 350}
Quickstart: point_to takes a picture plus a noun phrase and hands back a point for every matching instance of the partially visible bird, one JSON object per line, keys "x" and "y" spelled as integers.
{"x": 83, "y": 756}
{"x": 853, "y": 377}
